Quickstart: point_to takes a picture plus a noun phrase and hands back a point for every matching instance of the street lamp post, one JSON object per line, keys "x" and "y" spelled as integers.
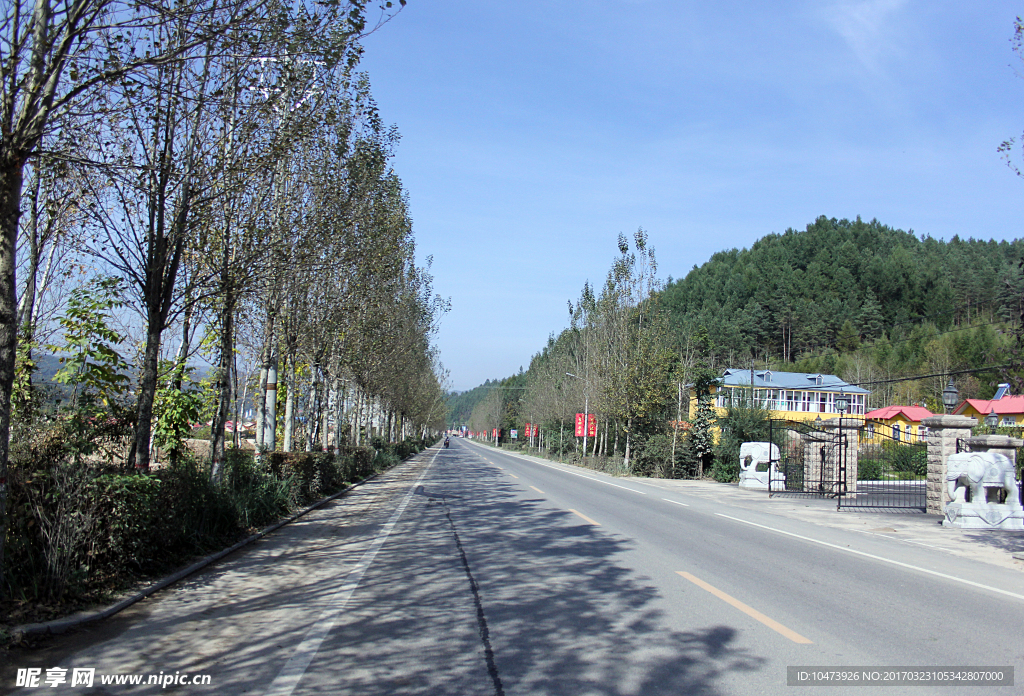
{"x": 842, "y": 403}
{"x": 950, "y": 396}
{"x": 586, "y": 410}
{"x": 992, "y": 420}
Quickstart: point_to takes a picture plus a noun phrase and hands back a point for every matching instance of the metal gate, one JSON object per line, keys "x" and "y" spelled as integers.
{"x": 811, "y": 459}
{"x": 891, "y": 471}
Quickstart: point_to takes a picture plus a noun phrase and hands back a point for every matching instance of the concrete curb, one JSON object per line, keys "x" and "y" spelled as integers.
{"x": 62, "y": 625}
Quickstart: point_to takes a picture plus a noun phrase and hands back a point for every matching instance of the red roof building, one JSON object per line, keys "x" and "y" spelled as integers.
{"x": 1009, "y": 409}
{"x": 896, "y": 423}
{"x": 914, "y": 414}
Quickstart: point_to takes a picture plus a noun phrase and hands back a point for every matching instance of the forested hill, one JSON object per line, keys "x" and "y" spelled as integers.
{"x": 461, "y": 404}
{"x": 838, "y": 282}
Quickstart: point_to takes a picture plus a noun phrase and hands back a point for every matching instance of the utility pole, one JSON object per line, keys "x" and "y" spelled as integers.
{"x": 751, "y": 381}
{"x": 586, "y": 409}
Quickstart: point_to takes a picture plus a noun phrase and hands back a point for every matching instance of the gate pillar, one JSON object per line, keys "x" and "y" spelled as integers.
{"x": 943, "y": 432}
{"x": 815, "y": 444}
{"x": 1003, "y": 444}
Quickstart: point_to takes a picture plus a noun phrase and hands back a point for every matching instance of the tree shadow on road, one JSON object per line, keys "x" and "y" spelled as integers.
{"x": 563, "y": 613}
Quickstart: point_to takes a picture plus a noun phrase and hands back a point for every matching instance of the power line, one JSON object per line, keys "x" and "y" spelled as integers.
{"x": 948, "y": 373}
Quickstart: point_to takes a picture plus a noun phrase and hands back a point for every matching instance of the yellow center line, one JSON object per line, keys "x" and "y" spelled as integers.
{"x": 513, "y": 476}
{"x": 749, "y": 611}
{"x": 580, "y": 514}
{"x": 537, "y": 489}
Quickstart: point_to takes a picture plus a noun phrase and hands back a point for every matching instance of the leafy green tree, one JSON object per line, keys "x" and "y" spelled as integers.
{"x": 847, "y": 340}
{"x": 91, "y": 364}
{"x": 702, "y": 434}
{"x": 176, "y": 408}
{"x": 744, "y": 422}
{"x": 870, "y": 319}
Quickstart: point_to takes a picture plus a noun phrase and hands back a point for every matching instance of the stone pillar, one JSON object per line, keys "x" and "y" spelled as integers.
{"x": 943, "y": 432}
{"x": 851, "y": 433}
{"x": 813, "y": 442}
{"x": 1004, "y": 444}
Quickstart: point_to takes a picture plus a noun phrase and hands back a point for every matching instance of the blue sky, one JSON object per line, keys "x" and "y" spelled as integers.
{"x": 534, "y": 132}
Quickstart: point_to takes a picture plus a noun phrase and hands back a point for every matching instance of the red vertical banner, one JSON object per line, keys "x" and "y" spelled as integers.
{"x": 591, "y": 425}
{"x": 527, "y": 432}
{"x": 494, "y": 432}
{"x": 579, "y": 425}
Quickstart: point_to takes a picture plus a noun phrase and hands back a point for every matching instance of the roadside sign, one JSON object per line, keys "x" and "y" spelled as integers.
{"x": 515, "y": 434}
{"x": 579, "y": 425}
{"x": 592, "y": 425}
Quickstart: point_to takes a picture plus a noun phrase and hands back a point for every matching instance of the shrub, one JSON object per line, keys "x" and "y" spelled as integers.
{"x": 741, "y": 424}
{"x": 869, "y": 470}
{"x": 906, "y": 458}
{"x": 653, "y": 456}
{"x": 77, "y": 525}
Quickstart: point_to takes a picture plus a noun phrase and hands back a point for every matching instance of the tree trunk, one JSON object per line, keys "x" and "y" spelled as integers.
{"x": 339, "y": 412}
{"x": 11, "y": 171}
{"x": 147, "y": 393}
{"x": 220, "y": 418}
{"x": 325, "y": 414}
{"x": 625, "y": 461}
{"x": 675, "y": 427}
{"x": 270, "y": 422}
{"x": 26, "y": 305}
{"x": 353, "y": 425}
{"x": 178, "y": 371}
{"x": 313, "y": 412}
{"x": 289, "y": 405}
{"x": 261, "y": 409}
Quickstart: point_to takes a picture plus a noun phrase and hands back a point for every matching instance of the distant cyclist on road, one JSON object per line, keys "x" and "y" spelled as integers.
{"x": 446, "y": 441}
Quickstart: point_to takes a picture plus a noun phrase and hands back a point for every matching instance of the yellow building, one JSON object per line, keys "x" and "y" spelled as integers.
{"x": 899, "y": 423}
{"x": 794, "y": 396}
{"x": 1008, "y": 409}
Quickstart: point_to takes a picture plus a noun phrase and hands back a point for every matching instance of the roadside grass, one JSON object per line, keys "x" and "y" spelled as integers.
{"x": 652, "y": 459}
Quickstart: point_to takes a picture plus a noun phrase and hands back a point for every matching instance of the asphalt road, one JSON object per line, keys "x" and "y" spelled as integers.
{"x": 472, "y": 571}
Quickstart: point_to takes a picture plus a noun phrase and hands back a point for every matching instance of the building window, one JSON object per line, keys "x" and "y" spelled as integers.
{"x": 896, "y": 431}
{"x": 869, "y": 431}
{"x": 1008, "y": 420}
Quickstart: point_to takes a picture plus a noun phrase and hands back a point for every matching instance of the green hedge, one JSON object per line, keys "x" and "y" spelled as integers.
{"x": 76, "y": 529}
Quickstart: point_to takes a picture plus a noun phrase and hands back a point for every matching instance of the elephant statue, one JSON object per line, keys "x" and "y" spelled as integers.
{"x": 978, "y": 471}
{"x": 751, "y": 455}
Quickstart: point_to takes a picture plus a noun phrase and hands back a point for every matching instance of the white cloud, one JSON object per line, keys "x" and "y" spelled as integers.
{"x": 867, "y": 28}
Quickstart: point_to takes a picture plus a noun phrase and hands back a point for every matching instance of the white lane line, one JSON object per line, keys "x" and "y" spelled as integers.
{"x": 921, "y": 543}
{"x": 676, "y": 502}
{"x": 590, "y": 478}
{"x": 564, "y": 471}
{"x": 286, "y": 681}
{"x": 879, "y": 558}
